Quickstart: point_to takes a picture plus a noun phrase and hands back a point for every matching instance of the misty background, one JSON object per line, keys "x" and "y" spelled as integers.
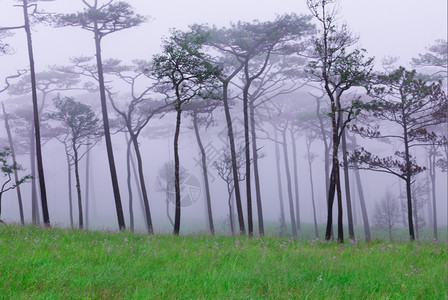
{"x": 385, "y": 28}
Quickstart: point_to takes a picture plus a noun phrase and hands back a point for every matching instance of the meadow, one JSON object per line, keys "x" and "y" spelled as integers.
{"x": 42, "y": 263}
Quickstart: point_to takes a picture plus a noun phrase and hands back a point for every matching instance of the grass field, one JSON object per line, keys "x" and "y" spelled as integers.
{"x": 40, "y": 263}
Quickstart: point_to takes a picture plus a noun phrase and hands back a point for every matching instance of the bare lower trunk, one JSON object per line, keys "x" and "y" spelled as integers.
{"x": 13, "y": 156}
{"x": 87, "y": 186}
{"x": 362, "y": 202}
{"x": 432, "y": 175}
{"x": 35, "y": 218}
{"x": 289, "y": 185}
{"x": 128, "y": 181}
{"x": 78, "y": 188}
{"x": 40, "y": 167}
{"x": 256, "y": 172}
{"x": 313, "y": 202}
{"x": 351, "y": 231}
{"x": 70, "y": 199}
{"x": 296, "y": 177}
{"x": 239, "y": 208}
{"x": 205, "y": 175}
{"x": 109, "y": 149}
{"x": 250, "y": 225}
{"x": 279, "y": 184}
{"x": 141, "y": 179}
{"x": 177, "y": 172}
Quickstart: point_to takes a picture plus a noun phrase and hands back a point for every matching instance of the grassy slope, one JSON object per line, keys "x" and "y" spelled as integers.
{"x": 43, "y": 263}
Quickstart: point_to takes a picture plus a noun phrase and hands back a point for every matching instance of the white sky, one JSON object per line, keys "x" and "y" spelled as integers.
{"x": 386, "y": 27}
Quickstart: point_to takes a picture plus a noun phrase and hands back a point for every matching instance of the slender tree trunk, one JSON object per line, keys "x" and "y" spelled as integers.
{"x": 78, "y": 187}
{"x": 250, "y": 224}
{"x": 229, "y": 201}
{"x": 239, "y": 208}
{"x": 205, "y": 174}
{"x": 34, "y": 197}
{"x": 13, "y": 156}
{"x": 351, "y": 231}
{"x": 139, "y": 188}
{"x": 256, "y": 172}
{"x": 313, "y": 202}
{"x": 408, "y": 183}
{"x": 40, "y": 167}
{"x": 70, "y": 199}
{"x": 340, "y": 215}
{"x": 109, "y": 149}
{"x": 279, "y": 183}
{"x": 87, "y": 185}
{"x": 142, "y": 183}
{"x": 177, "y": 171}
{"x": 432, "y": 175}
{"x": 365, "y": 217}
{"x": 289, "y": 185}
{"x": 128, "y": 181}
{"x": 326, "y": 162}
{"x": 296, "y": 176}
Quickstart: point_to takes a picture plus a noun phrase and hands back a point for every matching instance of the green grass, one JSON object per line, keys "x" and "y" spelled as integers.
{"x": 39, "y": 263}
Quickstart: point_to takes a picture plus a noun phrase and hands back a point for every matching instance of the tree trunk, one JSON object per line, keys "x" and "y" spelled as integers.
{"x": 70, "y": 199}
{"x": 128, "y": 181}
{"x": 13, "y": 156}
{"x": 408, "y": 182}
{"x": 109, "y": 149}
{"x": 279, "y": 183}
{"x": 256, "y": 172}
{"x": 432, "y": 176}
{"x": 313, "y": 202}
{"x": 250, "y": 224}
{"x": 177, "y": 170}
{"x": 239, "y": 208}
{"x": 142, "y": 183}
{"x": 365, "y": 217}
{"x": 296, "y": 176}
{"x": 205, "y": 174}
{"x": 87, "y": 185}
{"x": 326, "y": 163}
{"x": 289, "y": 185}
{"x": 40, "y": 167}
{"x": 78, "y": 187}
{"x": 351, "y": 231}
{"x": 35, "y": 217}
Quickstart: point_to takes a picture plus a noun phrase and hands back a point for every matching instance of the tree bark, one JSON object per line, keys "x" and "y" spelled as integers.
{"x": 87, "y": 186}
{"x": 296, "y": 176}
{"x": 365, "y": 217}
{"x": 351, "y": 231}
{"x": 142, "y": 183}
{"x": 109, "y": 149}
{"x": 408, "y": 180}
{"x": 239, "y": 208}
{"x": 279, "y": 183}
{"x": 13, "y": 156}
{"x": 40, "y": 167}
{"x": 69, "y": 178}
{"x": 313, "y": 202}
{"x": 250, "y": 225}
{"x": 35, "y": 217}
{"x": 205, "y": 174}
{"x": 78, "y": 187}
{"x": 177, "y": 170}
{"x": 289, "y": 185}
{"x": 256, "y": 171}
{"x": 432, "y": 176}
{"x": 128, "y": 181}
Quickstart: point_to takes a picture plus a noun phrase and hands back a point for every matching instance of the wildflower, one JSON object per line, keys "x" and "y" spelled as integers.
{"x": 319, "y": 277}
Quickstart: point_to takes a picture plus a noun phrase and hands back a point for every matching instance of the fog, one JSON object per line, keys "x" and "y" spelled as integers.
{"x": 385, "y": 28}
